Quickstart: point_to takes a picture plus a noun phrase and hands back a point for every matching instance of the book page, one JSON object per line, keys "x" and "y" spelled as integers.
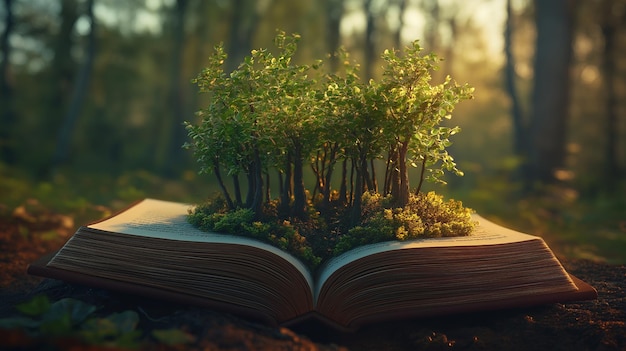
{"x": 485, "y": 233}
{"x": 168, "y": 220}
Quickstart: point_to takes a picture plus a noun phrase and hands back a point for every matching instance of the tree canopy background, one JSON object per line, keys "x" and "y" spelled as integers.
{"x": 93, "y": 95}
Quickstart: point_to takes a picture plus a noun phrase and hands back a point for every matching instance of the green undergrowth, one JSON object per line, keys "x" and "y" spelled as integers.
{"x": 71, "y": 323}
{"x": 327, "y": 233}
{"x": 576, "y": 224}
{"x": 87, "y": 195}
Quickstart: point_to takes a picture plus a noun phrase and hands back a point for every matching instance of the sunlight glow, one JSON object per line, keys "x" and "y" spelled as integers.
{"x": 487, "y": 16}
{"x": 590, "y": 74}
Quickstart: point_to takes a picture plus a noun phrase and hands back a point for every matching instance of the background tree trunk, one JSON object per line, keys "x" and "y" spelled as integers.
{"x": 431, "y": 39}
{"x": 550, "y": 89}
{"x": 244, "y": 23}
{"x": 334, "y": 12}
{"x": 519, "y": 127}
{"x": 81, "y": 86}
{"x": 448, "y": 64}
{"x": 397, "y": 35}
{"x": 370, "y": 42}
{"x": 610, "y": 24}
{"x": 176, "y": 101}
{"x": 61, "y": 80}
{"x": 7, "y": 112}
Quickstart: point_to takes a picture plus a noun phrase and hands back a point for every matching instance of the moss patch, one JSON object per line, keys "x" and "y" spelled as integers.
{"x": 327, "y": 232}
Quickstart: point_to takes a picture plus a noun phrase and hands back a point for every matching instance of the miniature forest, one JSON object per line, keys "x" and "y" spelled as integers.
{"x": 272, "y": 125}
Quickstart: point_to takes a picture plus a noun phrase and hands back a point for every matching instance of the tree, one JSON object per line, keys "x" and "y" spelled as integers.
{"x": 246, "y": 15}
{"x": 289, "y": 104}
{"x": 176, "y": 91}
{"x": 519, "y": 127}
{"x": 433, "y": 8}
{"x": 415, "y": 110}
{"x": 355, "y": 124}
{"x": 334, "y": 12}
{"x": 223, "y": 139}
{"x": 397, "y": 36}
{"x": 551, "y": 86}
{"x": 342, "y": 101}
{"x": 61, "y": 74}
{"x": 610, "y": 21}
{"x": 78, "y": 93}
{"x": 7, "y": 111}
{"x": 369, "y": 46}
{"x": 260, "y": 116}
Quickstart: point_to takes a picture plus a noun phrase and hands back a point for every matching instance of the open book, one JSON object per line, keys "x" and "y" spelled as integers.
{"x": 150, "y": 249}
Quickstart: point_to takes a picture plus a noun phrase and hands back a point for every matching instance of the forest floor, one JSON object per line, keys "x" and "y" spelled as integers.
{"x": 24, "y": 237}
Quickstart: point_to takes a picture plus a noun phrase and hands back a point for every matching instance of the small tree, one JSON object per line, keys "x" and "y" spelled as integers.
{"x": 261, "y": 116}
{"x": 291, "y": 120}
{"x": 415, "y": 110}
{"x": 402, "y": 115}
{"x": 354, "y": 126}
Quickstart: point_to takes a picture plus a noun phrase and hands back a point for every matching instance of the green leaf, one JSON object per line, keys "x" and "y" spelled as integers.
{"x": 35, "y": 307}
{"x": 96, "y": 330}
{"x": 125, "y": 321}
{"x": 117, "y": 328}
{"x": 173, "y": 336}
{"x": 76, "y": 310}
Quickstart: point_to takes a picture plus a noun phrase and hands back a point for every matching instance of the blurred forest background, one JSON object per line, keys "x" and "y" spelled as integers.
{"x": 93, "y": 94}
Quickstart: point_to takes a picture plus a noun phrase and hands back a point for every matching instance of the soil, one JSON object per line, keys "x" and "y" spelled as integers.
{"x": 589, "y": 325}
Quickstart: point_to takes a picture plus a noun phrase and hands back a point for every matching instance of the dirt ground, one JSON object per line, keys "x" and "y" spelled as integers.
{"x": 589, "y": 325}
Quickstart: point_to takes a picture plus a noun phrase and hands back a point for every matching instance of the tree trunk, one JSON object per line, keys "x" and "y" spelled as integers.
{"x": 610, "y": 23}
{"x": 79, "y": 90}
{"x": 395, "y": 172}
{"x": 299, "y": 194}
{"x": 550, "y": 89}
{"x": 220, "y": 181}
{"x": 317, "y": 167}
{"x": 176, "y": 91}
{"x": 285, "y": 194}
{"x": 62, "y": 72}
{"x": 370, "y": 42}
{"x": 422, "y": 171}
{"x": 397, "y": 35}
{"x": 519, "y": 129}
{"x": 401, "y": 199}
{"x": 332, "y": 160}
{"x": 343, "y": 186}
{"x": 334, "y": 12}
{"x": 448, "y": 64}
{"x": 432, "y": 30}
{"x": 388, "y": 174}
{"x": 355, "y": 216}
{"x": 243, "y": 25}
{"x": 8, "y": 145}
{"x": 250, "y": 177}
{"x": 63, "y": 65}
{"x": 373, "y": 176}
{"x": 268, "y": 188}
{"x": 237, "y": 187}
{"x": 257, "y": 200}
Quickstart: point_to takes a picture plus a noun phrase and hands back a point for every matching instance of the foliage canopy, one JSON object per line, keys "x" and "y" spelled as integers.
{"x": 271, "y": 116}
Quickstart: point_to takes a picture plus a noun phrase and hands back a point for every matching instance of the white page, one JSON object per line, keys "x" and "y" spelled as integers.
{"x": 168, "y": 220}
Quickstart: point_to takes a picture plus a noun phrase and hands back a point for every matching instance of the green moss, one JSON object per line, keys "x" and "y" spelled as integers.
{"x": 324, "y": 236}
{"x": 425, "y": 216}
